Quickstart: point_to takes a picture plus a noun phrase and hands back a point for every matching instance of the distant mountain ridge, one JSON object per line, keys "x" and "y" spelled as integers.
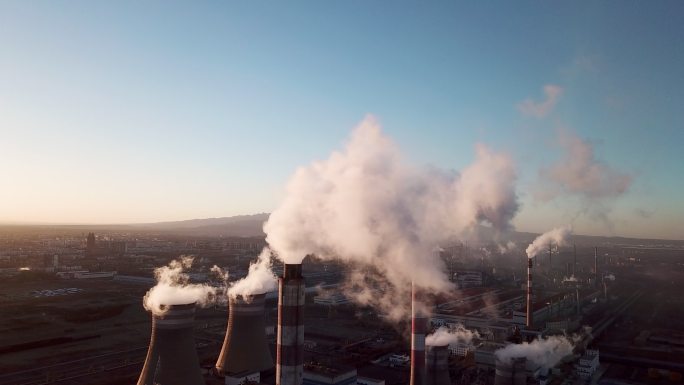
{"x": 237, "y": 226}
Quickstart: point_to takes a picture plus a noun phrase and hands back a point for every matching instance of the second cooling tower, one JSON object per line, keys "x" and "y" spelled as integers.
{"x": 437, "y": 365}
{"x": 245, "y": 348}
{"x": 172, "y": 356}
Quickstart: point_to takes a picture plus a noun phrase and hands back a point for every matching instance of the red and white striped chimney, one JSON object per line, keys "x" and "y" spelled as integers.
{"x": 418, "y": 329}
{"x": 290, "y": 340}
{"x": 528, "y": 320}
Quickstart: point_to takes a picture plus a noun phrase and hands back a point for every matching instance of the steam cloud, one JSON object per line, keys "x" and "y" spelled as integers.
{"x": 260, "y": 278}
{"x": 446, "y": 336}
{"x": 173, "y": 288}
{"x": 546, "y": 353}
{"x": 541, "y": 109}
{"x": 557, "y": 236}
{"x": 580, "y": 173}
{"x": 367, "y": 206}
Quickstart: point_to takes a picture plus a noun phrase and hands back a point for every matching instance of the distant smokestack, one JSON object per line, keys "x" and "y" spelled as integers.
{"x": 574, "y": 266}
{"x": 528, "y": 320}
{"x": 245, "y": 347}
{"x": 172, "y": 356}
{"x": 596, "y": 272}
{"x": 437, "y": 365}
{"x": 550, "y": 258}
{"x": 418, "y": 330}
{"x": 289, "y": 348}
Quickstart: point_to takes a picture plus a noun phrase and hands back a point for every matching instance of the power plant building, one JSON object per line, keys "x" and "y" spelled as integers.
{"x": 315, "y": 374}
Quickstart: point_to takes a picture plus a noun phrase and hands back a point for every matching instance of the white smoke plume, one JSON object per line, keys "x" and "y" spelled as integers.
{"x": 540, "y": 109}
{"x": 579, "y": 173}
{"x": 547, "y": 352}
{"x": 558, "y": 236}
{"x": 367, "y": 205}
{"x": 451, "y": 336}
{"x": 260, "y": 278}
{"x": 508, "y": 247}
{"x": 571, "y": 278}
{"x": 173, "y": 288}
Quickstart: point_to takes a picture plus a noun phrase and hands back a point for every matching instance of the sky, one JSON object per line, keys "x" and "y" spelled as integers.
{"x": 122, "y": 112}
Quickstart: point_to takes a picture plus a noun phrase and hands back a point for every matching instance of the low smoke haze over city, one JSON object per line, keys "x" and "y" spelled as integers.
{"x": 372, "y": 193}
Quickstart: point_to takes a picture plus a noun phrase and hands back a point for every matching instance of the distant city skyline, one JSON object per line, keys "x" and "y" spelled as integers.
{"x": 148, "y": 112}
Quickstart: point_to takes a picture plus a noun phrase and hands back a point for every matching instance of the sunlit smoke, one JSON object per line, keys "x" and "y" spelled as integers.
{"x": 173, "y": 288}
{"x": 547, "y": 352}
{"x": 558, "y": 236}
{"x": 260, "y": 278}
{"x": 368, "y": 206}
{"x": 451, "y": 336}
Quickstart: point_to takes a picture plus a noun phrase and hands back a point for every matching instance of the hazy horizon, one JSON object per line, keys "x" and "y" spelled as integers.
{"x": 141, "y": 113}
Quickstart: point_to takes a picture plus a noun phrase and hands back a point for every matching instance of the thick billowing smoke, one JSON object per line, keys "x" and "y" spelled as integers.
{"x": 260, "y": 278}
{"x": 557, "y": 236}
{"x": 173, "y": 288}
{"x": 546, "y": 353}
{"x": 368, "y": 206}
{"x": 580, "y": 173}
{"x": 451, "y": 336}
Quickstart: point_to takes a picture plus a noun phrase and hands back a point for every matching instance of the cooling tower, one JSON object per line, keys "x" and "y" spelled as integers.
{"x": 172, "y": 357}
{"x": 418, "y": 330}
{"x": 290, "y": 349}
{"x": 245, "y": 347}
{"x": 437, "y": 365}
{"x": 528, "y": 320}
{"x": 510, "y": 372}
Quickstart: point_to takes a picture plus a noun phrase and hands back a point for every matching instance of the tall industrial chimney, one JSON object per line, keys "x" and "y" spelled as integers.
{"x": 437, "y": 365}
{"x": 418, "y": 330}
{"x": 289, "y": 348}
{"x": 528, "y": 319}
{"x": 245, "y": 347}
{"x": 172, "y": 356}
{"x": 574, "y": 266}
{"x": 596, "y": 272}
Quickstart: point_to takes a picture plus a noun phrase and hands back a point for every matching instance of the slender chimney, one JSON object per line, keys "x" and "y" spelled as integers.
{"x": 574, "y": 266}
{"x": 437, "y": 365}
{"x": 172, "y": 356}
{"x": 245, "y": 347}
{"x": 290, "y": 340}
{"x": 418, "y": 330}
{"x": 596, "y": 272}
{"x": 528, "y": 320}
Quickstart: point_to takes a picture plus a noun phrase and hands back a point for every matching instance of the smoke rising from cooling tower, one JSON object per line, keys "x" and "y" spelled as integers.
{"x": 368, "y": 206}
{"x": 173, "y": 288}
{"x": 446, "y": 336}
{"x": 558, "y": 236}
{"x": 547, "y": 352}
{"x": 260, "y": 278}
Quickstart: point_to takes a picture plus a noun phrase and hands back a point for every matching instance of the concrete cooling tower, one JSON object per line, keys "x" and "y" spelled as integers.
{"x": 510, "y": 372}
{"x": 172, "y": 356}
{"x": 245, "y": 348}
{"x": 437, "y": 365}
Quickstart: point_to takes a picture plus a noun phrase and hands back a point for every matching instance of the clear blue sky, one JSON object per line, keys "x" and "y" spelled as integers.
{"x": 148, "y": 111}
